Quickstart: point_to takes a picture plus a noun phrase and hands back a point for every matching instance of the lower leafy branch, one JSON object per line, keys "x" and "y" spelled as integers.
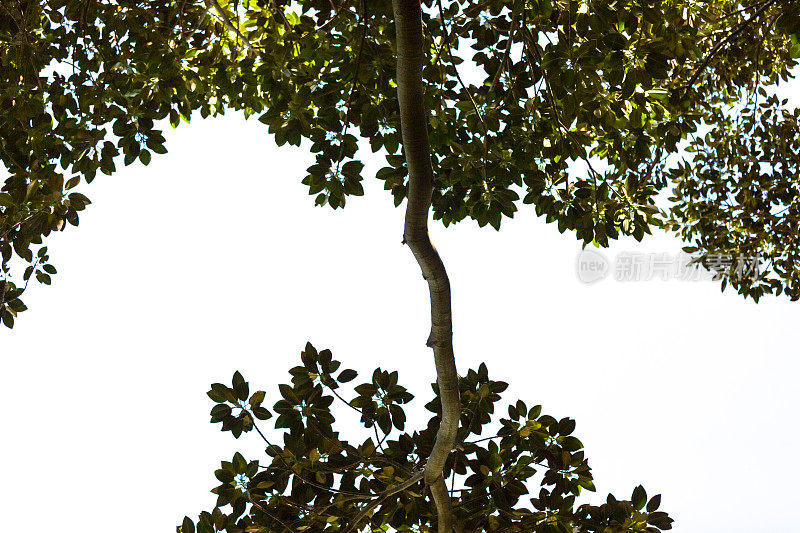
{"x": 317, "y": 481}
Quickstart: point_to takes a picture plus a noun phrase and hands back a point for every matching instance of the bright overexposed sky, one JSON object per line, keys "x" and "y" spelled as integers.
{"x": 214, "y": 259}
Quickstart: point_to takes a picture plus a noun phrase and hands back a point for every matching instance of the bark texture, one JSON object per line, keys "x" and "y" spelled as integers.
{"x": 414, "y": 127}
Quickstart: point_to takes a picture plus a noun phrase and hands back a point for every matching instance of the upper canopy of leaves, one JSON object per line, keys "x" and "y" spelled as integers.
{"x": 572, "y": 104}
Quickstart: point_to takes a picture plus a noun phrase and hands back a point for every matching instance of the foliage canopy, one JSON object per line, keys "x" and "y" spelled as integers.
{"x": 580, "y": 108}
{"x": 621, "y": 85}
{"x": 317, "y": 481}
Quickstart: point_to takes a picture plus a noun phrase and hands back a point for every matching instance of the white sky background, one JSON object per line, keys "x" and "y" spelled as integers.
{"x": 214, "y": 259}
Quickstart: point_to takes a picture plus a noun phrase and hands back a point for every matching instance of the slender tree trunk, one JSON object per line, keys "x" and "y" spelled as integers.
{"x": 414, "y": 125}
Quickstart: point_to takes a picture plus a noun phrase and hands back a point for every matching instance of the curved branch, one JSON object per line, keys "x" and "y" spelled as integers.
{"x": 414, "y": 128}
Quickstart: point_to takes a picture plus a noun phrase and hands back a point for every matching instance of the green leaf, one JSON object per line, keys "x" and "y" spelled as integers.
{"x": 639, "y": 498}
{"x": 262, "y": 413}
{"x": 187, "y": 526}
{"x": 219, "y": 412}
{"x": 257, "y": 398}
{"x": 239, "y": 463}
{"x": 7, "y": 318}
{"x": 346, "y": 376}
{"x": 571, "y": 444}
{"x": 654, "y": 503}
{"x": 216, "y": 396}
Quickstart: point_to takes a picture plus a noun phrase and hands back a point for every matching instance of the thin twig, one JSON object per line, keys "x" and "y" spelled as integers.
{"x": 328, "y": 22}
{"x": 455, "y": 68}
{"x": 352, "y": 86}
{"x": 717, "y": 47}
{"x": 348, "y": 404}
{"x": 3, "y": 288}
{"x": 740, "y": 10}
{"x": 18, "y": 224}
{"x": 277, "y": 11}
{"x": 35, "y": 264}
{"x": 507, "y": 53}
{"x": 11, "y": 157}
{"x": 213, "y": 4}
{"x": 549, "y": 92}
{"x": 385, "y": 494}
{"x": 261, "y": 508}
{"x": 378, "y": 439}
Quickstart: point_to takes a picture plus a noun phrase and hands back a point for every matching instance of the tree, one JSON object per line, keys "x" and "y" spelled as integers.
{"x": 622, "y": 85}
{"x": 316, "y": 480}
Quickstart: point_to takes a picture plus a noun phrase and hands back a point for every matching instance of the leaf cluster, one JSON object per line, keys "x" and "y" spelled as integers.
{"x": 524, "y": 476}
{"x": 576, "y": 107}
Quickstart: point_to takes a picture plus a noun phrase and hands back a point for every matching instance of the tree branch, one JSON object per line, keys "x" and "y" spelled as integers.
{"x": 446, "y": 35}
{"x": 349, "y": 101}
{"x": 414, "y": 127}
{"x": 213, "y": 5}
{"x": 506, "y": 53}
{"x": 385, "y": 494}
{"x": 263, "y": 510}
{"x": 717, "y": 47}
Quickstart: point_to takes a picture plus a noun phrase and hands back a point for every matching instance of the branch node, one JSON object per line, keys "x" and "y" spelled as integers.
{"x": 430, "y": 342}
